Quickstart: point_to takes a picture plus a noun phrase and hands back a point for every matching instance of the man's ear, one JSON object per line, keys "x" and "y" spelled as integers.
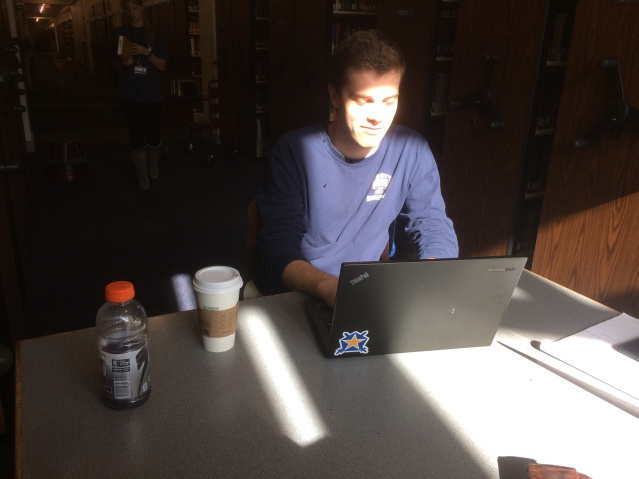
{"x": 334, "y": 95}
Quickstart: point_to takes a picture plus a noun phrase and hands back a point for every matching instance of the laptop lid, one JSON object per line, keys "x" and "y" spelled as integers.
{"x": 396, "y": 307}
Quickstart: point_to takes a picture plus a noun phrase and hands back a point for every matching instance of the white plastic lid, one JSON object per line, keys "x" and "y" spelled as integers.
{"x": 217, "y": 279}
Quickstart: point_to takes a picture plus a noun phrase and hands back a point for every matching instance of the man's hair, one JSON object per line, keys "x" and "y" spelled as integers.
{"x": 365, "y": 50}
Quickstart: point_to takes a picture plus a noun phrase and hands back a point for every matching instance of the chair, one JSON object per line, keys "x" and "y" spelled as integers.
{"x": 252, "y": 229}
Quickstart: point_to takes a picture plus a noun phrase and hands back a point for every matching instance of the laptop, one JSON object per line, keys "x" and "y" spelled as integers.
{"x": 423, "y": 305}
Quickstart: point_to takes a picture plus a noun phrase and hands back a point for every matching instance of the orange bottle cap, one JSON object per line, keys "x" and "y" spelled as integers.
{"x": 119, "y": 291}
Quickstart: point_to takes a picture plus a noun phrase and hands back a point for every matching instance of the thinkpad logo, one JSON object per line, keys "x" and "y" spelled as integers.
{"x": 500, "y": 270}
{"x": 361, "y": 277}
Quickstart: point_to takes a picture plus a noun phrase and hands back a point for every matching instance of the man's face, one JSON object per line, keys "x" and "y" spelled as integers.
{"x": 134, "y": 11}
{"x": 366, "y": 106}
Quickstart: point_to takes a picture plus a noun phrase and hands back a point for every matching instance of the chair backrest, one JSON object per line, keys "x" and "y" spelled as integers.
{"x": 252, "y": 228}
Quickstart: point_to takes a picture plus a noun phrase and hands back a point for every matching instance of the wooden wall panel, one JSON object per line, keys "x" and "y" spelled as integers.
{"x": 480, "y": 165}
{"x": 589, "y": 234}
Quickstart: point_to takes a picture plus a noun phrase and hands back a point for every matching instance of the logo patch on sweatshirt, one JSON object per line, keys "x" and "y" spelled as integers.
{"x": 380, "y": 183}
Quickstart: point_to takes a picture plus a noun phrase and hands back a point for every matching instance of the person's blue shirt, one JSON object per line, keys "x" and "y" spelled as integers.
{"x": 315, "y": 205}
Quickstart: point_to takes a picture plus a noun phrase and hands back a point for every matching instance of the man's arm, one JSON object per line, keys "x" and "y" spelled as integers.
{"x": 424, "y": 214}
{"x": 157, "y": 62}
{"x": 303, "y": 276}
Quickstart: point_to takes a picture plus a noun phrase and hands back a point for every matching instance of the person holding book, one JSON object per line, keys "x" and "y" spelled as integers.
{"x": 138, "y": 53}
{"x": 332, "y": 192}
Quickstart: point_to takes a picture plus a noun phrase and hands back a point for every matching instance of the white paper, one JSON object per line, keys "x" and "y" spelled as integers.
{"x": 591, "y": 351}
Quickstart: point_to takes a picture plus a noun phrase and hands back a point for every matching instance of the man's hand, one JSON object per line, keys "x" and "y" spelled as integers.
{"x": 303, "y": 276}
{"x": 139, "y": 50}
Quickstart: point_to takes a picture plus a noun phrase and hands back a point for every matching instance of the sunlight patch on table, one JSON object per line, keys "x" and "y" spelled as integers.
{"x": 297, "y": 414}
{"x": 498, "y": 403}
{"x": 426, "y": 386}
{"x": 183, "y": 290}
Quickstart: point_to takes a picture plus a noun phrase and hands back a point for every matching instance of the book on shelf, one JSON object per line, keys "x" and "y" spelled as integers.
{"x": 125, "y": 48}
{"x": 261, "y": 36}
{"x": 548, "y": 107}
{"x": 196, "y": 68}
{"x": 261, "y": 137}
{"x": 440, "y": 98}
{"x": 558, "y": 48}
{"x": 195, "y": 46}
{"x": 341, "y": 30}
{"x": 261, "y": 70}
{"x": 446, "y": 39}
{"x": 536, "y": 172}
{"x": 359, "y": 6}
{"x": 261, "y": 100}
{"x": 261, "y": 9}
{"x": 186, "y": 88}
{"x": 258, "y": 132}
{"x": 449, "y": 11}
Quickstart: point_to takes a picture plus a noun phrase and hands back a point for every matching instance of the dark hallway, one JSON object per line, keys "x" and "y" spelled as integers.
{"x": 85, "y": 234}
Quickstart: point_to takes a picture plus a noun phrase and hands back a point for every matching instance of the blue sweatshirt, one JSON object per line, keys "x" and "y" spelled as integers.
{"x": 315, "y": 205}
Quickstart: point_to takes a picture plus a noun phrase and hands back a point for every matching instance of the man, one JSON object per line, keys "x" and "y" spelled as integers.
{"x": 331, "y": 193}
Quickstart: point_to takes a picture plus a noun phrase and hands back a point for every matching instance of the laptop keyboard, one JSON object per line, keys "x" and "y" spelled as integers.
{"x": 326, "y": 312}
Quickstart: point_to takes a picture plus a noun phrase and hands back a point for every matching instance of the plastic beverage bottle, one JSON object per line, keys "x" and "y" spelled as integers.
{"x": 124, "y": 348}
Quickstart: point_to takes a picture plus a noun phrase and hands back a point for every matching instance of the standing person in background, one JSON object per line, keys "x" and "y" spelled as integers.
{"x": 139, "y": 90}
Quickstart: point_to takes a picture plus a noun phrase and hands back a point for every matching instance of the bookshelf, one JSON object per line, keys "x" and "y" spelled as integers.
{"x": 541, "y": 127}
{"x": 99, "y": 16}
{"x": 348, "y": 17}
{"x": 260, "y": 46}
{"x": 440, "y": 63}
{"x": 274, "y": 52}
{"x": 194, "y": 43}
{"x": 66, "y": 41}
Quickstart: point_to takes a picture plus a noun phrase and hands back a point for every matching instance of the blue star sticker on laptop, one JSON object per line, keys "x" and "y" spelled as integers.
{"x": 354, "y": 342}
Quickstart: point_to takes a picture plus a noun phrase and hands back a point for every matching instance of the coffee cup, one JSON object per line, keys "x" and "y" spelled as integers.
{"x": 217, "y": 291}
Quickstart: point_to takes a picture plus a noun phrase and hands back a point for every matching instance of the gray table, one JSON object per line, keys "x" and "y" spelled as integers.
{"x": 273, "y": 406}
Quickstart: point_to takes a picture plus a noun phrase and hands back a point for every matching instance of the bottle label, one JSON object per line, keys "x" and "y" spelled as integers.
{"x": 127, "y": 375}
{"x": 218, "y": 324}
